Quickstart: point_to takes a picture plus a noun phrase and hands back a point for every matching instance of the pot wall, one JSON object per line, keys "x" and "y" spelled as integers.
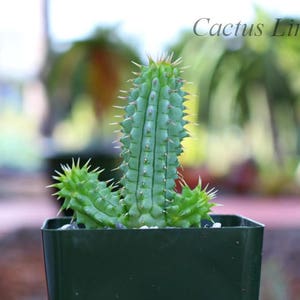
{"x": 128, "y": 264}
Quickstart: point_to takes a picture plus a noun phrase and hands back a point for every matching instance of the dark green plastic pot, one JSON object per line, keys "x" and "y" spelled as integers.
{"x": 154, "y": 264}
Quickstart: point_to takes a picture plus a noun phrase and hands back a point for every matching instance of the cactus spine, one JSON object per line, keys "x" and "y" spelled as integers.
{"x": 153, "y": 129}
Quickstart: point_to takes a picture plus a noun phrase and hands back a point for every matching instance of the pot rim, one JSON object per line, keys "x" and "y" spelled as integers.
{"x": 245, "y": 222}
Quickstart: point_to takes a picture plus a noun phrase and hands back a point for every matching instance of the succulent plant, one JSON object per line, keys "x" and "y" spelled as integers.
{"x": 152, "y": 131}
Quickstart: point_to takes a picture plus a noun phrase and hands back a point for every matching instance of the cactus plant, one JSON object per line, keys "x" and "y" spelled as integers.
{"x": 152, "y": 131}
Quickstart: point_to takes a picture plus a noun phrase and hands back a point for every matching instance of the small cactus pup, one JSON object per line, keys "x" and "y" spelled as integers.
{"x": 152, "y": 132}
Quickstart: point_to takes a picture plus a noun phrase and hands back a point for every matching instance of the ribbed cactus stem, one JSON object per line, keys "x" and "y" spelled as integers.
{"x": 153, "y": 129}
{"x": 94, "y": 203}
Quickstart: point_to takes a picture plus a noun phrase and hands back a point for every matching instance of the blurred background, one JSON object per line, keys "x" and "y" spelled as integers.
{"x": 62, "y": 64}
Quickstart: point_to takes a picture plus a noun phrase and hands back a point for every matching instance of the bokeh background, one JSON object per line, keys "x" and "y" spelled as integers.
{"x": 62, "y": 64}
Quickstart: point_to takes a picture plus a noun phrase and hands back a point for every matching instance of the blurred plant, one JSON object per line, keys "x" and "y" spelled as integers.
{"x": 91, "y": 69}
{"x": 19, "y": 146}
{"x": 249, "y": 86}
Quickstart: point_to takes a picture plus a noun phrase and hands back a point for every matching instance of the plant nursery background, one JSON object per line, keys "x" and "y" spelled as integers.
{"x": 62, "y": 65}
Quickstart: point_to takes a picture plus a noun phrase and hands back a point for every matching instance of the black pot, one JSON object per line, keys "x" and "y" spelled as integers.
{"x": 154, "y": 264}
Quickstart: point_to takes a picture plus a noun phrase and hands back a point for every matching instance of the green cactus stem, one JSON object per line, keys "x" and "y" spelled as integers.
{"x": 94, "y": 203}
{"x": 153, "y": 129}
{"x": 190, "y": 207}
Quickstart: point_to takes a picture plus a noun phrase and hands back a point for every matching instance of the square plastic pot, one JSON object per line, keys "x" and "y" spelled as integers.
{"x": 154, "y": 264}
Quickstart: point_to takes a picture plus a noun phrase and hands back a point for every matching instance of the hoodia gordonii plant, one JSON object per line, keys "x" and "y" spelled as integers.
{"x": 152, "y": 132}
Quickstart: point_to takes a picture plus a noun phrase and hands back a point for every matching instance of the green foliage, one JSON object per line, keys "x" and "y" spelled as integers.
{"x": 153, "y": 129}
{"x": 249, "y": 87}
{"x": 92, "y": 69}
